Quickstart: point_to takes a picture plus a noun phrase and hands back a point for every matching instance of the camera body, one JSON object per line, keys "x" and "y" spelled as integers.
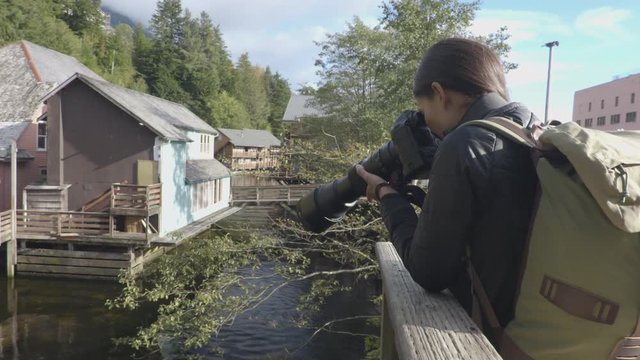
{"x": 406, "y": 157}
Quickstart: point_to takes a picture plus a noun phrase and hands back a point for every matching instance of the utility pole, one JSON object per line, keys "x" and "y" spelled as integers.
{"x": 550, "y": 45}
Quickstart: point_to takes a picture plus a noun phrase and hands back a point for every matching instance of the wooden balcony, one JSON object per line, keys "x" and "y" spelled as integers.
{"x": 420, "y": 325}
{"x": 289, "y": 194}
{"x": 135, "y": 200}
{"x": 75, "y": 227}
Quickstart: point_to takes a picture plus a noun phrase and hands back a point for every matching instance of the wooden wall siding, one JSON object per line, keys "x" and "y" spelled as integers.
{"x": 46, "y": 199}
{"x": 102, "y": 144}
{"x": 247, "y": 158}
{"x": 5, "y": 226}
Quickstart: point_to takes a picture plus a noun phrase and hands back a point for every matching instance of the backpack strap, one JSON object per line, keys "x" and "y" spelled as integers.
{"x": 524, "y": 136}
{"x": 629, "y": 347}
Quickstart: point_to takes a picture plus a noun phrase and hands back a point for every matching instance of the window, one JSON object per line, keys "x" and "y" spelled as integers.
{"x": 43, "y": 171}
{"x": 617, "y": 98}
{"x": 602, "y": 104}
{"x": 205, "y": 194}
{"x": 589, "y": 106}
{"x": 631, "y": 117}
{"x": 633, "y": 98}
{"x": 615, "y": 119}
{"x": 205, "y": 143}
{"x": 588, "y": 122}
{"x": 578, "y": 122}
{"x": 42, "y": 134}
{"x": 601, "y": 120}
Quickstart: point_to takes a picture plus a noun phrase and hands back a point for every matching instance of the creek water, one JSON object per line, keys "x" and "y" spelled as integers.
{"x": 67, "y": 319}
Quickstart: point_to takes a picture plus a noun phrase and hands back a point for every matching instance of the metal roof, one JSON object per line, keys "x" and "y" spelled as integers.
{"x": 300, "y": 106}
{"x": 11, "y": 131}
{"x": 205, "y": 170}
{"x": 166, "y": 118}
{"x": 250, "y": 137}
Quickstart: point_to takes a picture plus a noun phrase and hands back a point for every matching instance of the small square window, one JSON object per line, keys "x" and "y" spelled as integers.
{"x": 615, "y": 119}
{"x": 588, "y": 122}
{"x": 631, "y": 117}
{"x": 601, "y": 120}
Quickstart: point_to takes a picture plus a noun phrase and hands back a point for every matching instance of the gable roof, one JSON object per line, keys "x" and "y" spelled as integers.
{"x": 27, "y": 72}
{"x": 11, "y": 131}
{"x": 165, "y": 118}
{"x": 250, "y": 137}
{"x": 300, "y": 106}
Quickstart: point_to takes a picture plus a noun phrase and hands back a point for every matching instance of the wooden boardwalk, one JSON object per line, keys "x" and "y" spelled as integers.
{"x": 195, "y": 228}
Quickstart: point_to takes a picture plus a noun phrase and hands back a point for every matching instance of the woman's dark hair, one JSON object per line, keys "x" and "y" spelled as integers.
{"x": 463, "y": 65}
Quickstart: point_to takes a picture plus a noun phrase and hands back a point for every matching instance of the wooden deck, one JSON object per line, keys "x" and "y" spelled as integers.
{"x": 289, "y": 194}
{"x": 419, "y": 325}
{"x": 193, "y": 229}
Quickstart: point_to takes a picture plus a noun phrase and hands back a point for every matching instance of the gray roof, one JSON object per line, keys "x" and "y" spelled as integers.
{"x": 250, "y": 137}
{"x": 300, "y": 106}
{"x": 205, "y": 170}
{"x": 164, "y": 117}
{"x": 55, "y": 67}
{"x": 23, "y": 84}
{"x": 11, "y": 131}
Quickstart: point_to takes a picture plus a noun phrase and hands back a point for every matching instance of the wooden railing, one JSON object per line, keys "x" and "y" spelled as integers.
{"x": 126, "y": 196}
{"x": 275, "y": 193}
{"x": 5, "y": 226}
{"x": 419, "y": 325}
{"x": 61, "y": 223}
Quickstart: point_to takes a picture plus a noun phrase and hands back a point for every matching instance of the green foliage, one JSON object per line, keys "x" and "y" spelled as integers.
{"x": 82, "y": 16}
{"x": 278, "y": 94}
{"x": 250, "y": 89}
{"x": 229, "y": 113}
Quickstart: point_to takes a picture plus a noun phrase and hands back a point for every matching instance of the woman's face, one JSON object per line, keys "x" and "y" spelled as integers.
{"x": 444, "y": 109}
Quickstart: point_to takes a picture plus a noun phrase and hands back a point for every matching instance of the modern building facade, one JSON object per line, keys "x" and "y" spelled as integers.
{"x": 610, "y": 106}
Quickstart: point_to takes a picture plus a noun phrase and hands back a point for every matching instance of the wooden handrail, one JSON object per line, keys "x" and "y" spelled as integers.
{"x": 420, "y": 325}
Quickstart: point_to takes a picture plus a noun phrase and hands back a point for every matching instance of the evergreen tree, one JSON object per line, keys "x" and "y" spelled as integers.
{"x": 251, "y": 92}
{"x": 82, "y": 16}
{"x": 167, "y": 24}
{"x": 278, "y": 93}
{"x": 230, "y": 113}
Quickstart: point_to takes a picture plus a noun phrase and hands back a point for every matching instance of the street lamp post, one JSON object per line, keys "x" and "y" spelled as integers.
{"x": 550, "y": 45}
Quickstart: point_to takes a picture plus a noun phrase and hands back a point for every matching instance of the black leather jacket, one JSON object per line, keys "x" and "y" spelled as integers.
{"x": 481, "y": 193}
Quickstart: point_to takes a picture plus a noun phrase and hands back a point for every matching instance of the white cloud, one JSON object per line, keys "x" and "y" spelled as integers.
{"x": 522, "y": 25}
{"x": 602, "y": 22}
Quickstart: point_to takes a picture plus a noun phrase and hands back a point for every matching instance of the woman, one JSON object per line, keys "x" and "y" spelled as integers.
{"x": 481, "y": 185}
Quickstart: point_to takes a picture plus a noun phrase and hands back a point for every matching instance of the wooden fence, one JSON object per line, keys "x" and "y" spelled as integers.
{"x": 265, "y": 194}
{"x": 5, "y": 226}
{"x": 61, "y": 223}
{"x": 419, "y": 325}
{"x": 126, "y": 196}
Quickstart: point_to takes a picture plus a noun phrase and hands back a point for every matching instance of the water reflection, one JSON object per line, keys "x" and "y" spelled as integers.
{"x": 67, "y": 319}
{"x": 61, "y": 319}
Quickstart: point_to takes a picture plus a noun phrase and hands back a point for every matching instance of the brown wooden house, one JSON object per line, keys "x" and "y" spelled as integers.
{"x": 248, "y": 149}
{"x": 27, "y": 73}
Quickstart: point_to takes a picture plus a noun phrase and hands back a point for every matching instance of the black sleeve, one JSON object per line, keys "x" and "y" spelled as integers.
{"x": 432, "y": 246}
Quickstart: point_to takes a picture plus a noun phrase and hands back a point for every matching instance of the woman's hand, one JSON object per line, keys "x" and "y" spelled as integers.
{"x": 372, "y": 182}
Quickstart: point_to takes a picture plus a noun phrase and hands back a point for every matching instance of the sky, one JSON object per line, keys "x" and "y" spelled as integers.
{"x": 598, "y": 39}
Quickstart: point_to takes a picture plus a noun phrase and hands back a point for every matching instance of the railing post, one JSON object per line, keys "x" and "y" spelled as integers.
{"x": 58, "y": 218}
{"x": 387, "y": 336}
{"x": 113, "y": 194}
{"x": 12, "y": 245}
{"x": 257, "y": 195}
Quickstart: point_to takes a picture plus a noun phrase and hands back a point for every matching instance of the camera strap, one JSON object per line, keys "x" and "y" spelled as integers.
{"x": 414, "y": 194}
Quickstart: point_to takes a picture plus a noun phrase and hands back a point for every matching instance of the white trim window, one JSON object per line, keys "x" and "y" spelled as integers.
{"x": 205, "y": 194}
{"x": 205, "y": 143}
{"x": 41, "y": 141}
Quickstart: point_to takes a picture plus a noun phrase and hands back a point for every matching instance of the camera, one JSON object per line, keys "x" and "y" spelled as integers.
{"x": 406, "y": 157}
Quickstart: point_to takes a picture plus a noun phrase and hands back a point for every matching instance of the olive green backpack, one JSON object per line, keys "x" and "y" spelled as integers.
{"x": 579, "y": 291}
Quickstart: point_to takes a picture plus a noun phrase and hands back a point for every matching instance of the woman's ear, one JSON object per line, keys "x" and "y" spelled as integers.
{"x": 439, "y": 94}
